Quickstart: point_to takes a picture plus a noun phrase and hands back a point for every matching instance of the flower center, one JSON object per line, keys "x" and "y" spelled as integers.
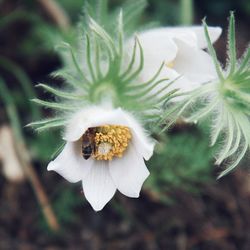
{"x": 105, "y": 142}
{"x": 111, "y": 141}
{"x": 170, "y": 64}
{"x": 104, "y": 148}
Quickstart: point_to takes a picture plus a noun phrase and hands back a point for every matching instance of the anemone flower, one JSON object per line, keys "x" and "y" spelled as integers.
{"x": 105, "y": 145}
{"x": 115, "y": 159}
{"x": 104, "y": 106}
{"x": 182, "y": 51}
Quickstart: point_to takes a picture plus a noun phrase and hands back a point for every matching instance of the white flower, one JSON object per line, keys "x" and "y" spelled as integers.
{"x": 181, "y": 49}
{"x": 101, "y": 178}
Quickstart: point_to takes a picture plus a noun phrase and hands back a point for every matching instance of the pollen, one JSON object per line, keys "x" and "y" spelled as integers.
{"x": 111, "y": 141}
{"x": 170, "y": 64}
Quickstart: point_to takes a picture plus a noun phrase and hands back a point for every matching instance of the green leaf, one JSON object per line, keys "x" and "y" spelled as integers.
{"x": 46, "y": 122}
{"x": 11, "y": 109}
{"x": 53, "y": 105}
{"x": 232, "y": 44}
{"x": 60, "y": 93}
{"x": 213, "y": 53}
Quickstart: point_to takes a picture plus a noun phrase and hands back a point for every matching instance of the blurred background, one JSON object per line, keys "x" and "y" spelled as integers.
{"x": 182, "y": 205}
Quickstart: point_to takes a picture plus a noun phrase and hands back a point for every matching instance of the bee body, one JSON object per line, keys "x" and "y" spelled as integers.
{"x": 88, "y": 143}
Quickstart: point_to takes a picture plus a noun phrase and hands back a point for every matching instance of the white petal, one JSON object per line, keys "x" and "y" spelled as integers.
{"x": 196, "y": 65}
{"x": 129, "y": 172}
{"x": 93, "y": 117}
{"x": 89, "y": 117}
{"x": 187, "y": 36}
{"x": 70, "y": 163}
{"x": 157, "y": 47}
{"x": 161, "y": 35}
{"x": 157, "y": 44}
{"x": 142, "y": 142}
{"x": 214, "y": 33}
{"x": 181, "y": 82}
{"x": 98, "y": 185}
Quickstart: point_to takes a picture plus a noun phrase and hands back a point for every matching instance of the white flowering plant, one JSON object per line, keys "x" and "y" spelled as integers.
{"x": 223, "y": 103}
{"x": 123, "y": 88}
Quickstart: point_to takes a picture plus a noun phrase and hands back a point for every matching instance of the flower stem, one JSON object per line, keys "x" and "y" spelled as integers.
{"x": 39, "y": 191}
{"x": 186, "y": 12}
{"x": 56, "y": 12}
{"x": 25, "y": 159}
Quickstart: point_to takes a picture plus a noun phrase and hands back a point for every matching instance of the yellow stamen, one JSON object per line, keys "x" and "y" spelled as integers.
{"x": 111, "y": 141}
{"x": 170, "y": 64}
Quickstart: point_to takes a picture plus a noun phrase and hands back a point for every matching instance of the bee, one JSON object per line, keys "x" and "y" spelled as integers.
{"x": 88, "y": 143}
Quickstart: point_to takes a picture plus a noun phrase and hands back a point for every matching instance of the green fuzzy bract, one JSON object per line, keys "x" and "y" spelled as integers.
{"x": 224, "y": 103}
{"x": 104, "y": 71}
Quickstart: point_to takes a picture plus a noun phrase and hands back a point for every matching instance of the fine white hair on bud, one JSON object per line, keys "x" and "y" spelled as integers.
{"x": 224, "y": 103}
{"x": 106, "y": 76}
